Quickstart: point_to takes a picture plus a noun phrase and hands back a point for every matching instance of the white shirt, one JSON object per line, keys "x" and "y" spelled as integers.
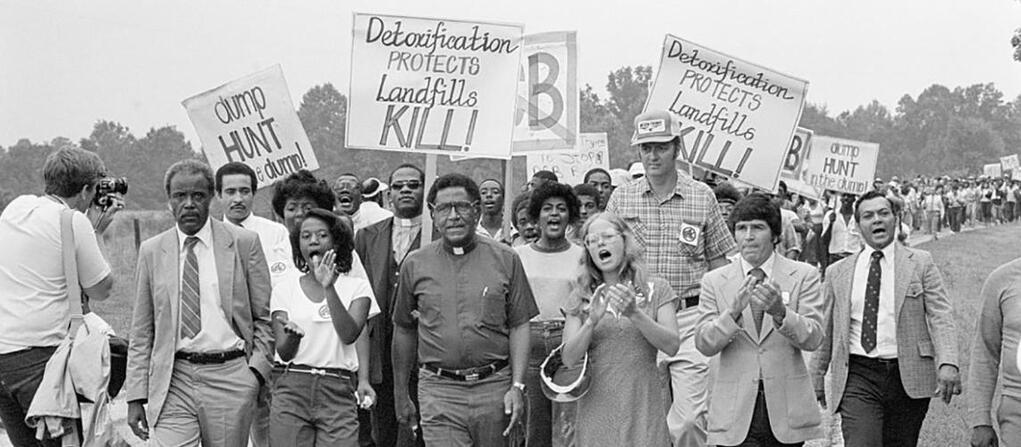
{"x": 276, "y": 245}
{"x": 886, "y": 323}
{"x": 767, "y": 266}
{"x": 321, "y": 347}
{"x": 33, "y": 289}
{"x": 403, "y": 236}
{"x": 844, "y": 238}
{"x": 482, "y": 231}
{"x": 216, "y": 334}
{"x": 369, "y": 212}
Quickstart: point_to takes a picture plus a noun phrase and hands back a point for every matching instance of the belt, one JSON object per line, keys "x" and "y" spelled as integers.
{"x": 690, "y": 301}
{"x": 469, "y": 374}
{"x": 338, "y": 373}
{"x": 873, "y": 360}
{"x": 548, "y": 324}
{"x": 203, "y": 358}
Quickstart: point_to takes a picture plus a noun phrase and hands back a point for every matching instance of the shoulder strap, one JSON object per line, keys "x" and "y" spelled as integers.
{"x": 74, "y": 289}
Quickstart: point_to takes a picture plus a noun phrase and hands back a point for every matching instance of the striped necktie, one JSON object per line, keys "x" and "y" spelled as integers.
{"x": 191, "y": 309}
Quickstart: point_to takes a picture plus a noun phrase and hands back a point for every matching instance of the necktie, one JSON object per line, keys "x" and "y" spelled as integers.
{"x": 758, "y": 313}
{"x": 871, "y": 313}
{"x": 191, "y": 310}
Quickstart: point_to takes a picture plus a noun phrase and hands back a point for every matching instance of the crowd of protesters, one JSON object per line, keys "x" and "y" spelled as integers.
{"x": 640, "y": 307}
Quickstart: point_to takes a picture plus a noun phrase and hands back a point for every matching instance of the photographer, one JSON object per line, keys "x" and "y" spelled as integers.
{"x": 34, "y": 312}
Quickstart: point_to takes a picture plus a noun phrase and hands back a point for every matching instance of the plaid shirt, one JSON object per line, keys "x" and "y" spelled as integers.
{"x": 657, "y": 224}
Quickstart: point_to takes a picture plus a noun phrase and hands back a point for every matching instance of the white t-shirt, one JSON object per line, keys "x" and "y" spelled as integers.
{"x": 276, "y": 245}
{"x": 321, "y": 346}
{"x": 551, "y": 276}
{"x": 33, "y": 289}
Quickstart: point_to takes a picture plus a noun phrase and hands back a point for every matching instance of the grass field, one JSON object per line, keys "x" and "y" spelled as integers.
{"x": 964, "y": 259}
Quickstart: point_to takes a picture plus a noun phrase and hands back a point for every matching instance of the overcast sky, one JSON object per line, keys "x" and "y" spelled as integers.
{"x": 66, "y": 64}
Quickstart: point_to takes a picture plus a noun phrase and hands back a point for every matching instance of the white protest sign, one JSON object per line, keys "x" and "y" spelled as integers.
{"x": 1010, "y": 162}
{"x": 737, "y": 118}
{"x": 794, "y": 160}
{"x": 843, "y": 165}
{"x": 546, "y": 115}
{"x": 992, "y": 170}
{"x": 570, "y": 167}
{"x": 252, "y": 120}
{"x": 435, "y": 86}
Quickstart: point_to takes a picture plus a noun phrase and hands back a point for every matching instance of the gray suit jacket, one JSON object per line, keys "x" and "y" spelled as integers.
{"x": 926, "y": 331}
{"x": 244, "y": 293}
{"x": 773, "y": 356}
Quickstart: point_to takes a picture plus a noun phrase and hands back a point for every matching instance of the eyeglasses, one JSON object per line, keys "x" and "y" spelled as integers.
{"x": 411, "y": 184}
{"x": 462, "y": 207}
{"x": 606, "y": 237}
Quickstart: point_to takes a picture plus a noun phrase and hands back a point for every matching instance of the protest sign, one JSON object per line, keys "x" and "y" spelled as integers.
{"x": 992, "y": 170}
{"x": 1010, "y": 163}
{"x": 434, "y": 86}
{"x": 570, "y": 167}
{"x": 546, "y": 115}
{"x": 736, "y": 118}
{"x": 794, "y": 160}
{"x": 842, "y": 165}
{"x": 252, "y": 120}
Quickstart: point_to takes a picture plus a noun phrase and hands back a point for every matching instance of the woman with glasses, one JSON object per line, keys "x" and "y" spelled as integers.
{"x": 621, "y": 316}
{"x": 318, "y": 316}
{"x": 548, "y": 266}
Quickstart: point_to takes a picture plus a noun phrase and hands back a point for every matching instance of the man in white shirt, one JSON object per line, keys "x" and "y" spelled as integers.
{"x": 201, "y": 341}
{"x": 236, "y": 185}
{"x": 360, "y": 200}
{"x": 34, "y": 311}
{"x": 840, "y": 235}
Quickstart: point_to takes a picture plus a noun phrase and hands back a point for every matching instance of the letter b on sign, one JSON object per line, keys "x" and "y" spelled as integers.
{"x": 794, "y": 154}
{"x": 545, "y": 87}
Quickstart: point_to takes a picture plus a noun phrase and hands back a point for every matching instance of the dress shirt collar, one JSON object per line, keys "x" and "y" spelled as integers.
{"x": 888, "y": 251}
{"x": 205, "y": 235}
{"x": 767, "y": 266}
{"x": 408, "y": 223}
{"x": 460, "y": 251}
{"x": 248, "y": 222}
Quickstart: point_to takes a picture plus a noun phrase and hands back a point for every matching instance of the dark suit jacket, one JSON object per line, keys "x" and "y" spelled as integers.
{"x": 374, "y": 246}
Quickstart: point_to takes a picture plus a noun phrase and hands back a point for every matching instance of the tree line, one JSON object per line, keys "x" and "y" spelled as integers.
{"x": 941, "y": 131}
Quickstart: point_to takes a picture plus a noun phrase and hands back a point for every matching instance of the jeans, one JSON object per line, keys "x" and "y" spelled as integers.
{"x": 20, "y": 374}
{"x": 549, "y": 423}
{"x": 314, "y": 410}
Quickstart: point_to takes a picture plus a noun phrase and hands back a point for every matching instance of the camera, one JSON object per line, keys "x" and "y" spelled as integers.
{"x": 106, "y": 187}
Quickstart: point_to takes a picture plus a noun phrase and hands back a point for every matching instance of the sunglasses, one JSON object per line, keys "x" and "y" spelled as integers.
{"x": 411, "y": 184}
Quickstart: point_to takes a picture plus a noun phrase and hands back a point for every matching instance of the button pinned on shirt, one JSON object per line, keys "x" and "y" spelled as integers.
{"x": 690, "y": 233}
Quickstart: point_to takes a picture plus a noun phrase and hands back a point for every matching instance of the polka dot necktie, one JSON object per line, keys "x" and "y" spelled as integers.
{"x": 758, "y": 313}
{"x": 871, "y": 314}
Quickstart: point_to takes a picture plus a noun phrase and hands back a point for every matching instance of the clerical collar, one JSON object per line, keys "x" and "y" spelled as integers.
{"x": 462, "y": 250}
{"x": 413, "y": 222}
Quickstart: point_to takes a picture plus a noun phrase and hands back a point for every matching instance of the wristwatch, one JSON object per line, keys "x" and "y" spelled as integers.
{"x": 520, "y": 386}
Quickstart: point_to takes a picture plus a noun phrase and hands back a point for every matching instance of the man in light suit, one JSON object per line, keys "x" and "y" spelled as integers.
{"x": 200, "y": 335}
{"x": 891, "y": 340}
{"x": 759, "y": 314}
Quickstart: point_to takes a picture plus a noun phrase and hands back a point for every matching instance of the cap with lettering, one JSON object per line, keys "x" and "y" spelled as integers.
{"x": 658, "y": 126}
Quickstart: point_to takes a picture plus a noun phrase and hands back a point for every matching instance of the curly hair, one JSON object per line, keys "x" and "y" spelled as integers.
{"x": 341, "y": 233}
{"x": 554, "y": 190}
{"x": 302, "y": 184}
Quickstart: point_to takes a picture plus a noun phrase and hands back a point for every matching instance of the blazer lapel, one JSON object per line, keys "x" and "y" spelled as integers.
{"x": 223, "y": 244}
{"x": 843, "y": 282}
{"x": 170, "y": 264}
{"x": 734, "y": 279}
{"x": 902, "y": 270}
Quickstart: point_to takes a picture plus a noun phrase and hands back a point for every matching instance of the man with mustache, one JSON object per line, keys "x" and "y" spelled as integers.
{"x": 463, "y": 305}
{"x": 236, "y": 185}
{"x": 200, "y": 334}
{"x": 890, "y": 339}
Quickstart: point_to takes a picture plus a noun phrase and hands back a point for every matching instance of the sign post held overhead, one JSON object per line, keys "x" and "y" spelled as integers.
{"x": 737, "y": 118}
{"x": 252, "y": 120}
{"x": 435, "y": 86}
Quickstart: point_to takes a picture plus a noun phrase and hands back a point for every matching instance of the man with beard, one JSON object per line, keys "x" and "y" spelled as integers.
{"x": 890, "y": 339}
{"x": 491, "y": 222}
{"x": 236, "y": 185}
{"x": 463, "y": 304}
{"x": 383, "y": 246}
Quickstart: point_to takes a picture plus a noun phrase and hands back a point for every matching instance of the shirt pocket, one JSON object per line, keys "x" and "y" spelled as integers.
{"x": 638, "y": 228}
{"x": 914, "y": 290}
{"x": 494, "y": 310}
{"x": 695, "y": 232}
